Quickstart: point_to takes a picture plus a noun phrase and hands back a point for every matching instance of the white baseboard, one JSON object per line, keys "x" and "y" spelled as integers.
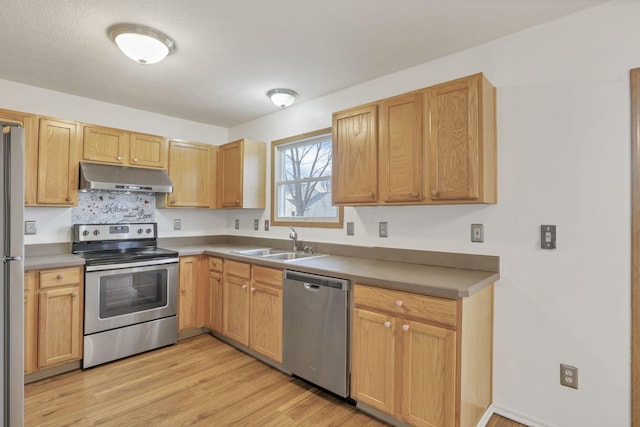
{"x": 494, "y": 409}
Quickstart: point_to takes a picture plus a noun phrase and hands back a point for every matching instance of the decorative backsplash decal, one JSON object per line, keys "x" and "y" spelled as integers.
{"x": 105, "y": 208}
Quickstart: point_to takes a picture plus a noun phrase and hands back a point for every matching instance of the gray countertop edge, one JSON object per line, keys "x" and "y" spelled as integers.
{"x": 445, "y": 282}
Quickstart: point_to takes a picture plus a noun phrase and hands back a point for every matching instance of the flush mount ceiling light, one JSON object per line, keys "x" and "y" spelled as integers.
{"x": 144, "y": 45}
{"x": 282, "y": 97}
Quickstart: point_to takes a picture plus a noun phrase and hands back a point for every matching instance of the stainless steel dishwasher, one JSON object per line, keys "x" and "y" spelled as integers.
{"x": 316, "y": 330}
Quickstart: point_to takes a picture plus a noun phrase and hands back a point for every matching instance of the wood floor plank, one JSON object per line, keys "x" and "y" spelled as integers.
{"x": 199, "y": 381}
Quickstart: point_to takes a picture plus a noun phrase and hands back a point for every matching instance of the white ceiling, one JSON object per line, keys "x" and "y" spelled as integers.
{"x": 230, "y": 52}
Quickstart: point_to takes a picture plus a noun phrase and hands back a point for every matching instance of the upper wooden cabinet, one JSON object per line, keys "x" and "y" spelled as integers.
{"x": 401, "y": 176}
{"x": 192, "y": 173}
{"x": 58, "y": 159}
{"x": 30, "y": 124}
{"x": 242, "y": 174}
{"x": 462, "y": 140}
{"x": 432, "y": 146}
{"x": 119, "y": 147}
{"x": 355, "y": 156}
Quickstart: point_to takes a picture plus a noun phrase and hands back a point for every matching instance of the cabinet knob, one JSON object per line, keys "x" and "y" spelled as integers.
{"x": 183, "y": 290}
{"x": 172, "y": 202}
{"x": 387, "y": 324}
{"x": 135, "y": 159}
{"x": 59, "y": 277}
{"x": 371, "y": 195}
{"x": 399, "y": 303}
{"x": 119, "y": 158}
{"x": 74, "y": 294}
{"x": 67, "y": 199}
{"x": 237, "y": 202}
{"x": 244, "y": 286}
{"x": 434, "y": 193}
{"x": 414, "y": 194}
{"x": 253, "y": 289}
{"x": 405, "y": 327}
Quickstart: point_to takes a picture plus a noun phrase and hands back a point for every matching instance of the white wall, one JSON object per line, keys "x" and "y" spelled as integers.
{"x": 54, "y": 224}
{"x": 564, "y": 141}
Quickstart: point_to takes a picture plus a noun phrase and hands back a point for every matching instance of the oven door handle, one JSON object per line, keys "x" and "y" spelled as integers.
{"x": 146, "y": 263}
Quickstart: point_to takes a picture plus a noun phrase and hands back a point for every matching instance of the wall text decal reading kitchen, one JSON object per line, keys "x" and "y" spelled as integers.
{"x": 105, "y": 208}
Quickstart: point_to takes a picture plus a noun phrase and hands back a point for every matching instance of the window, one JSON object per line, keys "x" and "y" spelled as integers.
{"x": 301, "y": 181}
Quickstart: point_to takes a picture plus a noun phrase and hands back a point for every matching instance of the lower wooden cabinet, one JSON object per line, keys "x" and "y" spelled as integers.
{"x": 426, "y": 361}
{"x": 236, "y": 296}
{"x": 188, "y": 293}
{"x": 214, "y": 294}
{"x": 265, "y": 330}
{"x": 252, "y": 312}
{"x": 53, "y": 317}
{"x": 30, "y": 321}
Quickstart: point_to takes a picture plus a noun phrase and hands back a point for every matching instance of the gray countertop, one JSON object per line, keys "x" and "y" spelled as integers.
{"x": 444, "y": 282}
{"x": 424, "y": 279}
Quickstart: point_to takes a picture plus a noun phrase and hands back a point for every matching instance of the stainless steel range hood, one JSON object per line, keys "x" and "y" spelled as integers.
{"x": 96, "y": 176}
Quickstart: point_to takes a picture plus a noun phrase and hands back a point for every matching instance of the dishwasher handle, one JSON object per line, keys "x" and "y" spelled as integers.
{"x": 311, "y": 287}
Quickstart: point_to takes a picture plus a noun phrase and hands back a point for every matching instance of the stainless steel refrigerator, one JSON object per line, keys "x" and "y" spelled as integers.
{"x": 12, "y": 303}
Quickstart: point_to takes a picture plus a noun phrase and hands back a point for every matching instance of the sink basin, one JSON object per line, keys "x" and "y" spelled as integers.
{"x": 276, "y": 254}
{"x": 260, "y": 252}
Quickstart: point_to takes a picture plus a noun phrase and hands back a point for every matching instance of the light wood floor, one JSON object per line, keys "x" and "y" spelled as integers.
{"x": 201, "y": 381}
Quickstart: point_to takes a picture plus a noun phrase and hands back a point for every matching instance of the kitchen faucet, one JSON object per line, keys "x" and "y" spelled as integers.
{"x": 294, "y": 239}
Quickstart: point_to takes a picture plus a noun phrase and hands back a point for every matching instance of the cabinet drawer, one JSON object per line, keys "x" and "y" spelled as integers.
{"x": 215, "y": 263}
{"x": 60, "y": 277}
{"x": 419, "y": 307}
{"x": 239, "y": 269}
{"x": 271, "y": 276}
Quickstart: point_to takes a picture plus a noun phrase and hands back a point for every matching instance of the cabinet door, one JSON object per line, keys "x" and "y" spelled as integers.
{"x": 235, "y": 312}
{"x": 30, "y": 321}
{"x": 148, "y": 151}
{"x": 190, "y": 171}
{"x": 452, "y": 111}
{"x": 230, "y": 174}
{"x": 59, "y": 326}
{"x": 373, "y": 359}
{"x": 401, "y": 149}
{"x": 58, "y": 157}
{"x": 214, "y": 319}
{"x": 355, "y": 156}
{"x": 105, "y": 145}
{"x": 266, "y": 320}
{"x": 187, "y": 309}
{"x": 428, "y": 379}
{"x": 30, "y": 124}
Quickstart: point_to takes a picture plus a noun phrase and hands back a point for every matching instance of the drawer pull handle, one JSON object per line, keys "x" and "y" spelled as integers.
{"x": 387, "y": 324}
{"x": 399, "y": 303}
{"x": 59, "y": 277}
{"x": 405, "y": 327}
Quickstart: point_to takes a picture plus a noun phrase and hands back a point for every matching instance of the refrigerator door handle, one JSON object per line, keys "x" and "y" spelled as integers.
{"x": 11, "y": 258}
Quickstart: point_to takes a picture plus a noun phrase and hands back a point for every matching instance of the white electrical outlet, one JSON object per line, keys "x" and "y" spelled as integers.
{"x": 177, "y": 224}
{"x": 30, "y": 228}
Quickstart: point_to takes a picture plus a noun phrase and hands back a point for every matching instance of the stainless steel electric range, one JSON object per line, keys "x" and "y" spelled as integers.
{"x": 130, "y": 290}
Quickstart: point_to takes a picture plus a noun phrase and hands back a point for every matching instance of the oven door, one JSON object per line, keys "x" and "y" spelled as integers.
{"x": 124, "y": 296}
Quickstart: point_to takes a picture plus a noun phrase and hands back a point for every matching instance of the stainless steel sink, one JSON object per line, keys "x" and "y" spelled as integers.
{"x": 277, "y": 254}
{"x": 289, "y": 256}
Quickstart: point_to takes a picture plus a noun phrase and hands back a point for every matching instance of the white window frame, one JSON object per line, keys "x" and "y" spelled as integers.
{"x": 276, "y": 184}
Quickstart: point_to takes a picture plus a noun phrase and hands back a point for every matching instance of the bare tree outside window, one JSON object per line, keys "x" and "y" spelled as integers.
{"x": 302, "y": 180}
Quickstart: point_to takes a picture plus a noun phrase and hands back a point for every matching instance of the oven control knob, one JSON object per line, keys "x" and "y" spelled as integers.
{"x": 96, "y": 232}
{"x": 85, "y": 233}
{"x": 139, "y": 230}
{"x": 148, "y": 231}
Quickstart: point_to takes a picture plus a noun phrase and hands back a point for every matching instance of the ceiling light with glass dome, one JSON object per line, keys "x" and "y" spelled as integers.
{"x": 142, "y": 44}
{"x": 282, "y": 97}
